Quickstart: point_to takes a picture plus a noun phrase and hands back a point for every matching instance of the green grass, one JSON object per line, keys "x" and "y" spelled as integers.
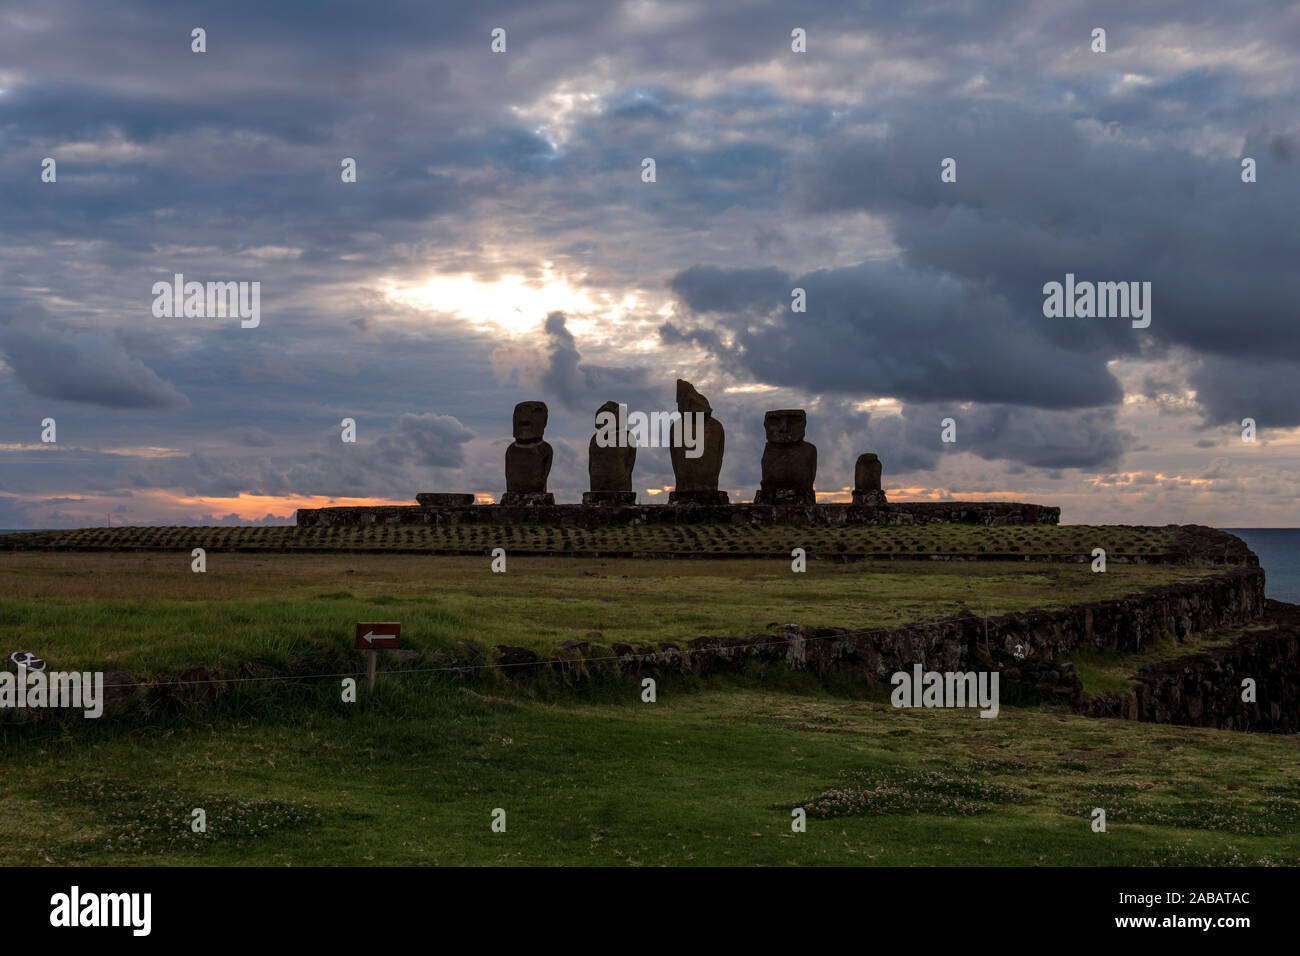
{"x": 289, "y": 774}
{"x": 1072, "y": 542}
{"x": 705, "y": 776}
{"x": 1106, "y": 672}
{"x": 148, "y": 613}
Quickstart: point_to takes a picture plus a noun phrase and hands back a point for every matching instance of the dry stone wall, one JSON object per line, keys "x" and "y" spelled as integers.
{"x": 1206, "y": 689}
{"x": 594, "y": 516}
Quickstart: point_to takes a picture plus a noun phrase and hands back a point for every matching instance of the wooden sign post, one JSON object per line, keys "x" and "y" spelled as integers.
{"x": 371, "y": 637}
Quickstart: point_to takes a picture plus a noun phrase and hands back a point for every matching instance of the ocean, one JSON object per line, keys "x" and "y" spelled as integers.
{"x": 1278, "y": 550}
{"x": 1279, "y": 556}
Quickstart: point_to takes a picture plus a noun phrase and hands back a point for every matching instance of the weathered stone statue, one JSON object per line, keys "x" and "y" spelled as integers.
{"x": 696, "y": 453}
{"x": 528, "y": 459}
{"x": 609, "y": 465}
{"x": 789, "y": 462}
{"x": 866, "y": 481}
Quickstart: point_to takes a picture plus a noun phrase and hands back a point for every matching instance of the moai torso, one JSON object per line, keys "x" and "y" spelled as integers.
{"x": 698, "y": 474}
{"x": 528, "y": 465}
{"x": 611, "y": 456}
{"x": 528, "y": 459}
{"x": 610, "y": 469}
{"x": 866, "y": 481}
{"x": 789, "y": 462}
{"x": 789, "y": 466}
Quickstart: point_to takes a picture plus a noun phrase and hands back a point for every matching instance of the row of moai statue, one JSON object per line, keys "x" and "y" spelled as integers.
{"x": 789, "y": 463}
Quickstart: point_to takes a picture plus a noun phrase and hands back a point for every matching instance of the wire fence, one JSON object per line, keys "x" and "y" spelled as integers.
{"x": 544, "y": 662}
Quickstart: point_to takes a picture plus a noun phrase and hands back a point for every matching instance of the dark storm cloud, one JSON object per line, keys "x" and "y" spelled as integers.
{"x": 912, "y": 442}
{"x": 68, "y": 365}
{"x": 710, "y": 289}
{"x": 1230, "y": 389}
{"x": 881, "y": 329}
{"x": 1034, "y": 437}
{"x": 1035, "y": 199}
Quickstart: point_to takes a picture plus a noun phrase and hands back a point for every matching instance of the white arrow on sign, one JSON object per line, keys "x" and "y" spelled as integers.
{"x": 385, "y": 633}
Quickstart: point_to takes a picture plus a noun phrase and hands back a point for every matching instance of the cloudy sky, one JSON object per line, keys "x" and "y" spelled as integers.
{"x": 499, "y": 245}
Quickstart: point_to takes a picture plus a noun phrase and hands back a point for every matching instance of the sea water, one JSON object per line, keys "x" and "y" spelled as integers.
{"x": 1279, "y": 556}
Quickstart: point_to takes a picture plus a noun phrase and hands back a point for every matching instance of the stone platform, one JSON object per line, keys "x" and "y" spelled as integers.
{"x": 990, "y": 513}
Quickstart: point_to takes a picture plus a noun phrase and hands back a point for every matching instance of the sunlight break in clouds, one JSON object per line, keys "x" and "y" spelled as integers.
{"x": 512, "y": 303}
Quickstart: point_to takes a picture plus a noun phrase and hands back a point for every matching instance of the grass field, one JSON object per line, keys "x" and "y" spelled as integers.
{"x": 702, "y": 776}
{"x": 1060, "y": 541}
{"x": 289, "y": 774}
{"x": 148, "y": 613}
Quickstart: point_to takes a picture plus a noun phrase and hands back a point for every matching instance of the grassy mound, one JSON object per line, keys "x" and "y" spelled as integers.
{"x": 150, "y": 614}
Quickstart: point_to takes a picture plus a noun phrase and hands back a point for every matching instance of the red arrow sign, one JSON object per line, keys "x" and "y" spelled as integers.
{"x": 376, "y": 636}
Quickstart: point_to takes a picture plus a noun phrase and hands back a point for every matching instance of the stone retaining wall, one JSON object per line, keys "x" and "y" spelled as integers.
{"x": 1028, "y": 648}
{"x": 594, "y": 516}
{"x": 1205, "y": 689}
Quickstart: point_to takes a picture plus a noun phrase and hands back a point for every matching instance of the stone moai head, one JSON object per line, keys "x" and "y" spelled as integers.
{"x": 611, "y": 408}
{"x": 689, "y": 400}
{"x": 785, "y": 426}
{"x": 530, "y": 421}
{"x": 866, "y": 473}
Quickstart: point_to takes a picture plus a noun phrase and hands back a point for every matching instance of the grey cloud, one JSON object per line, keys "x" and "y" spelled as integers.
{"x": 881, "y": 329}
{"x": 1020, "y": 214}
{"x": 1230, "y": 389}
{"x": 559, "y": 371}
{"x": 1020, "y": 437}
{"x": 1037, "y": 438}
{"x": 427, "y": 439}
{"x": 56, "y": 362}
{"x": 251, "y": 437}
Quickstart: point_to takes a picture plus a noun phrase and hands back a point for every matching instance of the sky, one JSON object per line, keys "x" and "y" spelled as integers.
{"x": 500, "y": 244}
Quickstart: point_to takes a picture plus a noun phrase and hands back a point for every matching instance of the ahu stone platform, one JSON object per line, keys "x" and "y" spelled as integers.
{"x": 988, "y": 513}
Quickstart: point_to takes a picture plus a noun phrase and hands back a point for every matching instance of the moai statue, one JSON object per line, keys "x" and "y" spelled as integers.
{"x": 611, "y": 455}
{"x": 528, "y": 459}
{"x": 789, "y": 462}
{"x": 866, "y": 481}
{"x": 696, "y": 452}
